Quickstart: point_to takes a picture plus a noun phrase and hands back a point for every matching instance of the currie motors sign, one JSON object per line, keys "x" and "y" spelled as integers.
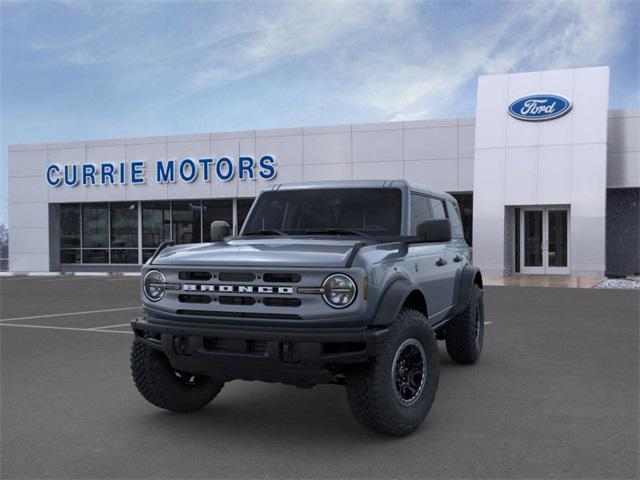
{"x": 187, "y": 170}
{"x": 540, "y": 107}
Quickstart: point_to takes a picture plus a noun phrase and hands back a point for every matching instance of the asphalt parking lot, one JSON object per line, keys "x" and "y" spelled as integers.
{"x": 554, "y": 395}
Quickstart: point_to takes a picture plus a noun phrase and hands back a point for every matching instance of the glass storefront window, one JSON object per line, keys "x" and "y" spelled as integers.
{"x": 91, "y": 255}
{"x": 95, "y": 225}
{"x": 185, "y": 221}
{"x": 70, "y": 226}
{"x": 156, "y": 223}
{"x": 108, "y": 232}
{"x": 124, "y": 225}
{"x": 215, "y": 210}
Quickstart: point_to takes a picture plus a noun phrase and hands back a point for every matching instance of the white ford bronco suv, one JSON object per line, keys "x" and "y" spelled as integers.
{"x": 350, "y": 283}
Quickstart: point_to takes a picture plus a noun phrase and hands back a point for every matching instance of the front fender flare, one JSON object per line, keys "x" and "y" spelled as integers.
{"x": 467, "y": 279}
{"x": 392, "y": 300}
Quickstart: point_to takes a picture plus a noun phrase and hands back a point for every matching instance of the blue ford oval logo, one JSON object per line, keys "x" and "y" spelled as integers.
{"x": 536, "y": 108}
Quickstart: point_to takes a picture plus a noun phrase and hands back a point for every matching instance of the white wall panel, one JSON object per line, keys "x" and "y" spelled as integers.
{"x": 624, "y": 134}
{"x": 431, "y": 143}
{"x": 377, "y": 146}
{"x": 327, "y": 148}
{"x": 439, "y": 174}
{"x": 554, "y": 175}
{"x": 377, "y": 170}
{"x": 521, "y": 176}
{"x": 334, "y": 171}
{"x": 591, "y": 105}
{"x": 28, "y": 163}
{"x": 287, "y": 149}
{"x": 493, "y": 95}
{"x": 623, "y": 169}
{"x": 28, "y": 262}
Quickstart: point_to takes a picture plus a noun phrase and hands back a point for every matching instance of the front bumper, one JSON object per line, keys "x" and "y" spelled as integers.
{"x": 300, "y": 356}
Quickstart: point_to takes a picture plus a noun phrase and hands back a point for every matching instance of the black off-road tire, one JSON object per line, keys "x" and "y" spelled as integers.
{"x": 465, "y": 332}
{"x": 371, "y": 389}
{"x": 161, "y": 385}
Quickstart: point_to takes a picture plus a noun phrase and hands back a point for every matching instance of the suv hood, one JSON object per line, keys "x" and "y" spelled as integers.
{"x": 270, "y": 251}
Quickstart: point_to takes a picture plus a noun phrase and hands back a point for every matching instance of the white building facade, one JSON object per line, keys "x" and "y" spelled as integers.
{"x": 547, "y": 177}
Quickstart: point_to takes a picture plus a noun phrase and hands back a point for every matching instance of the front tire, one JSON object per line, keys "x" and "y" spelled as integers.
{"x": 394, "y": 392}
{"x": 465, "y": 332}
{"x": 163, "y": 386}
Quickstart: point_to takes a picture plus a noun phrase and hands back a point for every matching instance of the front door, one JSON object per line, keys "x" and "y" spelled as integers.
{"x": 544, "y": 240}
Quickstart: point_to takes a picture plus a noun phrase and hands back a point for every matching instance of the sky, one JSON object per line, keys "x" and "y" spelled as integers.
{"x": 75, "y": 70}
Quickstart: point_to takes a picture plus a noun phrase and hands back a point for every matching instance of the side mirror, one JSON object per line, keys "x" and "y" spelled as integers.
{"x": 435, "y": 230}
{"x": 219, "y": 230}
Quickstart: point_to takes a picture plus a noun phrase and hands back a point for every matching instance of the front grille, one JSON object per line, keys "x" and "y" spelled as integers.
{"x": 282, "y": 277}
{"x": 228, "y": 300}
{"x": 236, "y": 277}
{"x": 194, "y": 298}
{"x": 282, "y": 302}
{"x": 197, "y": 276}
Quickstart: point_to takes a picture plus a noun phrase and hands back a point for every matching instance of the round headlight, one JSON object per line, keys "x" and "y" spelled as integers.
{"x": 153, "y": 285}
{"x": 339, "y": 291}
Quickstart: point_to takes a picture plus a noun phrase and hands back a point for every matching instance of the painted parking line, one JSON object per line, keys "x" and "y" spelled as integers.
{"x": 49, "y": 327}
{"x": 111, "y": 326}
{"x": 488, "y": 323}
{"x": 51, "y": 315}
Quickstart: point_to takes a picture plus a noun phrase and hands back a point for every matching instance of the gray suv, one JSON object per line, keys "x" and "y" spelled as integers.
{"x": 350, "y": 283}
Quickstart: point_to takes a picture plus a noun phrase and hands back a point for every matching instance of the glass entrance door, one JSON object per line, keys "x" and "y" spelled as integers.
{"x": 544, "y": 240}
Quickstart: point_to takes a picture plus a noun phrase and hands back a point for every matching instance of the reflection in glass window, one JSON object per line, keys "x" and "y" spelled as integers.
{"x": 95, "y": 256}
{"x": 156, "y": 223}
{"x": 95, "y": 226}
{"x": 456, "y": 222}
{"x": 437, "y": 208}
{"x": 186, "y": 221}
{"x": 124, "y": 225}
{"x": 244, "y": 205}
{"x": 215, "y": 210}
{"x": 124, "y": 255}
{"x": 70, "y": 255}
{"x": 70, "y": 226}
{"x": 420, "y": 211}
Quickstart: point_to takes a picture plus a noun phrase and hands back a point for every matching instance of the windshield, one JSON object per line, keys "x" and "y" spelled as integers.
{"x": 357, "y": 211}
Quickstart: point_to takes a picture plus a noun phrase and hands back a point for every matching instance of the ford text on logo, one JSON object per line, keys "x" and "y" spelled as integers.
{"x": 536, "y": 108}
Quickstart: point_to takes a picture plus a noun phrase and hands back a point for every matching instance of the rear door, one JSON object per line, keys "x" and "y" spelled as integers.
{"x": 432, "y": 261}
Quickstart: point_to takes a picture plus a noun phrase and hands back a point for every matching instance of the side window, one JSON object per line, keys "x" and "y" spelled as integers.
{"x": 420, "y": 211}
{"x": 437, "y": 206}
{"x": 456, "y": 222}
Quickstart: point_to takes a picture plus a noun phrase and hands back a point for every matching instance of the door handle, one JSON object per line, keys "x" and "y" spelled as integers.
{"x": 457, "y": 258}
{"x": 441, "y": 262}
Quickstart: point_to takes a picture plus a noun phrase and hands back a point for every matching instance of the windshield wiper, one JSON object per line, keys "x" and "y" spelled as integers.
{"x": 336, "y": 231}
{"x": 266, "y": 232}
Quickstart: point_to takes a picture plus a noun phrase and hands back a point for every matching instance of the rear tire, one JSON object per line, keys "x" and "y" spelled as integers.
{"x": 465, "y": 333}
{"x": 161, "y": 385}
{"x": 394, "y": 392}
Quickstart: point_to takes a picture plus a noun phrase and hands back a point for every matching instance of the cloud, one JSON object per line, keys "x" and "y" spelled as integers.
{"x": 526, "y": 36}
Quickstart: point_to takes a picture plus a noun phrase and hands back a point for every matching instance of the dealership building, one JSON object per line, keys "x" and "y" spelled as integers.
{"x": 546, "y": 175}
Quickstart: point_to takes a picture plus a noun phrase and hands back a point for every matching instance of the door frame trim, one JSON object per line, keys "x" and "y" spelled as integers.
{"x": 545, "y": 269}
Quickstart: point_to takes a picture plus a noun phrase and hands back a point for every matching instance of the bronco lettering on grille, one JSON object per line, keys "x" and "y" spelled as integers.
{"x": 264, "y": 289}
